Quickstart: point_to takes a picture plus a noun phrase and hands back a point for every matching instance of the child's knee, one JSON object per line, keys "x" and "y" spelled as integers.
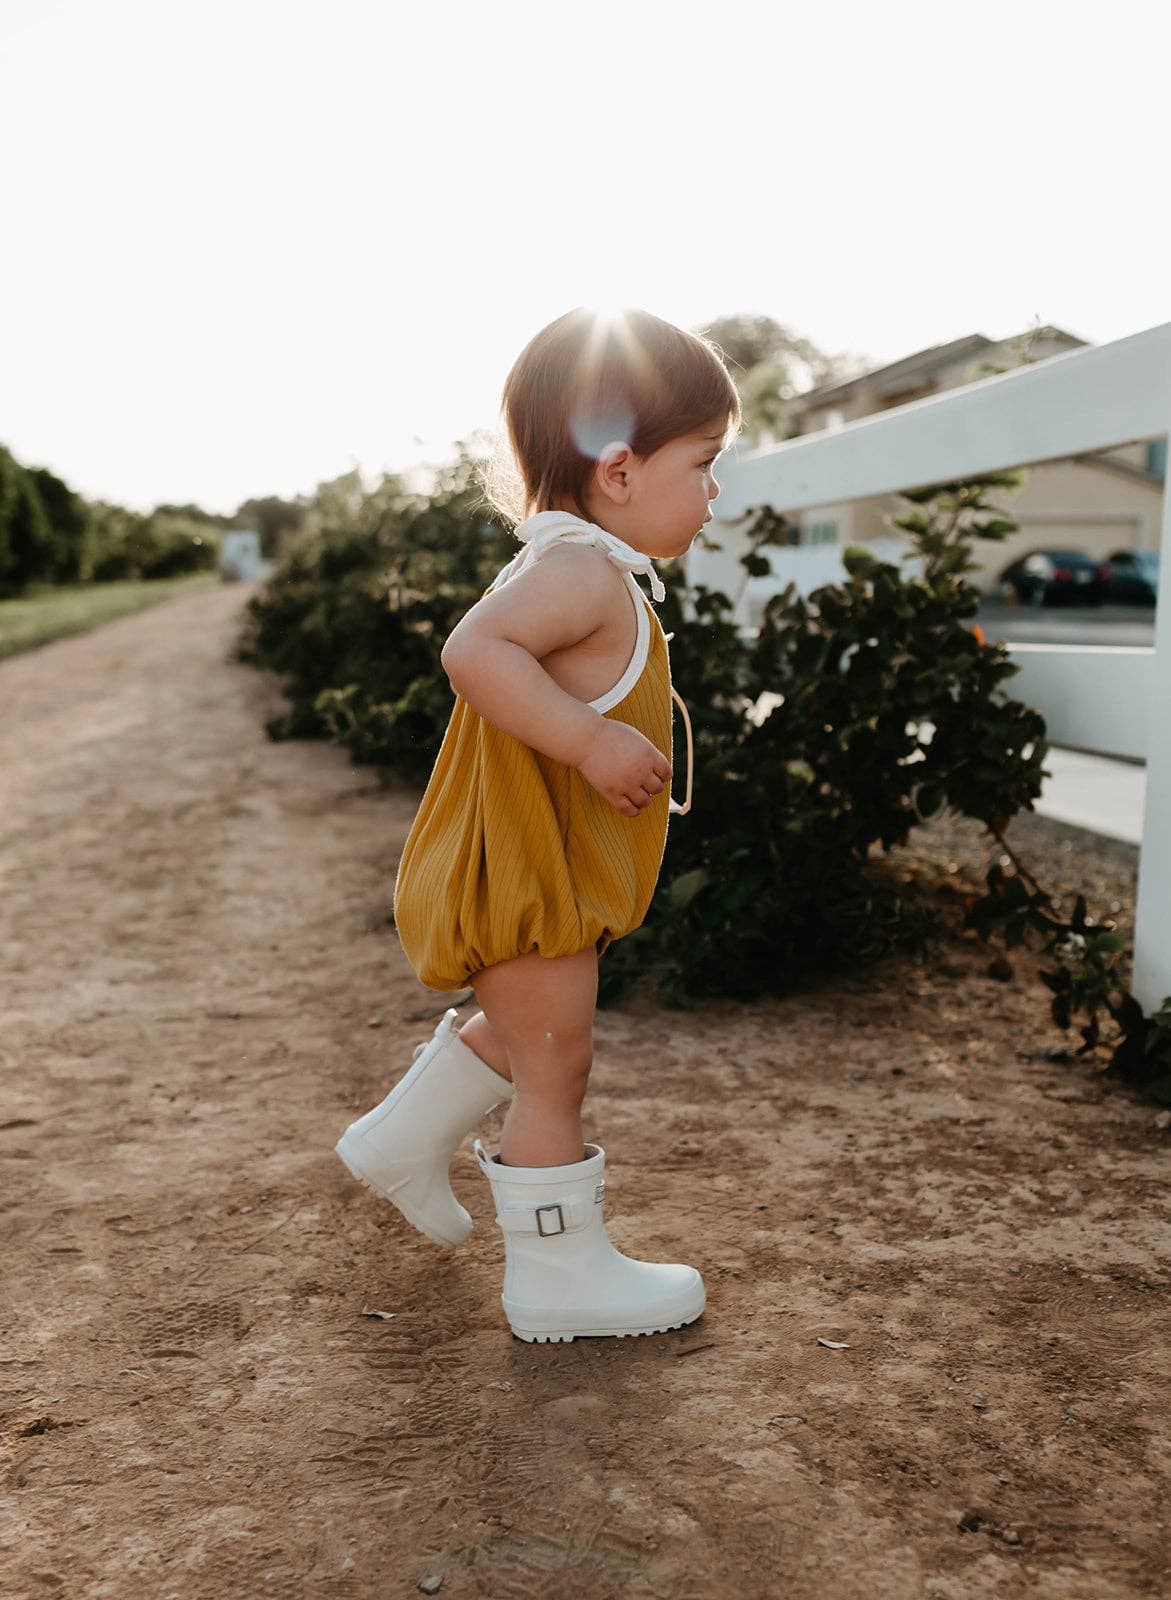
{"x": 555, "y": 1070}
{"x": 550, "y": 1096}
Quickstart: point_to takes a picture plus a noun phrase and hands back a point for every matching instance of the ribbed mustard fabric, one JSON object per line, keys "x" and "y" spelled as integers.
{"x": 511, "y": 851}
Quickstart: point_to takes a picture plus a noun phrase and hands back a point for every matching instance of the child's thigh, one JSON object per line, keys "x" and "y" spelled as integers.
{"x": 542, "y": 1005}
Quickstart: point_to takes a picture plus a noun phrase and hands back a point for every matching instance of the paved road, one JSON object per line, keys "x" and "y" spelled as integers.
{"x": 1128, "y": 625}
{"x": 1095, "y": 792}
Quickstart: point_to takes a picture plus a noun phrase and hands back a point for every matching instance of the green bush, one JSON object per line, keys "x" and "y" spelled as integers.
{"x": 357, "y": 613}
{"x": 768, "y": 881}
{"x": 178, "y": 543}
{"x": 163, "y": 544}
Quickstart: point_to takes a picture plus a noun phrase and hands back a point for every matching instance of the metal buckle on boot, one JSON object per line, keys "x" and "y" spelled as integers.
{"x": 548, "y": 1233}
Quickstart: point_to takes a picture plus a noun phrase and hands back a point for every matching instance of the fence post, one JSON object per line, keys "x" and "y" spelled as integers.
{"x": 1152, "y": 938}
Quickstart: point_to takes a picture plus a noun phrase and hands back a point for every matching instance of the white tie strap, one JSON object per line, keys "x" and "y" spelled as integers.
{"x": 563, "y": 527}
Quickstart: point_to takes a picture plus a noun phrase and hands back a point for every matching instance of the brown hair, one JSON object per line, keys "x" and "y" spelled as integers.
{"x": 587, "y": 380}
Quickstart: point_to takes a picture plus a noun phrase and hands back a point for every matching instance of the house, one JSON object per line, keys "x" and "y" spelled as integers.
{"x": 1099, "y": 501}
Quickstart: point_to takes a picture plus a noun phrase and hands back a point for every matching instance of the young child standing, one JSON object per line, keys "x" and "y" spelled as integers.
{"x": 540, "y": 835}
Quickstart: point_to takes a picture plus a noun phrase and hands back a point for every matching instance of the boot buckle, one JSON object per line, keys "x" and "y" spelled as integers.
{"x": 546, "y": 1233}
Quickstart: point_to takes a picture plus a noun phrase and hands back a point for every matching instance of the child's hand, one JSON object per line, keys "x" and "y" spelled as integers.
{"x": 624, "y": 767}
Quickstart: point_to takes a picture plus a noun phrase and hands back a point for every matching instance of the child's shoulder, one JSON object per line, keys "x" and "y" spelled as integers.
{"x": 584, "y": 555}
{"x": 584, "y": 571}
{"x": 579, "y": 576}
{"x": 577, "y": 557}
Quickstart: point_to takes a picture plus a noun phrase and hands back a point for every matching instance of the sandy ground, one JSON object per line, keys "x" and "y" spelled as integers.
{"x": 201, "y": 988}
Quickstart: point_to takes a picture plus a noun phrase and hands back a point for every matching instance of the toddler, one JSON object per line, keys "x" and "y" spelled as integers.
{"x": 540, "y": 835}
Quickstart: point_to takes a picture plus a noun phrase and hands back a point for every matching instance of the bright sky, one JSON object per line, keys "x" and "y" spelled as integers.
{"x": 247, "y": 243}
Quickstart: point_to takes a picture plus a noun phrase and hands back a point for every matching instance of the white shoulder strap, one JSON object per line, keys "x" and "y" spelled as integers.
{"x": 547, "y": 528}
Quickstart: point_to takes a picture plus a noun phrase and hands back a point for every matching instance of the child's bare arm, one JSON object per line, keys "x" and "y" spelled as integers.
{"x": 492, "y": 659}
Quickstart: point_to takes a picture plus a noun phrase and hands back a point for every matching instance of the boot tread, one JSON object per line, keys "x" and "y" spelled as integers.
{"x": 601, "y": 1333}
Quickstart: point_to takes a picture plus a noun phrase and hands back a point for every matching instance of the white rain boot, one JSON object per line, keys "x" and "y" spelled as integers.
{"x": 562, "y": 1276}
{"x": 403, "y": 1148}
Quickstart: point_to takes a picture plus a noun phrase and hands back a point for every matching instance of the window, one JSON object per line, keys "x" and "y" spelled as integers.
{"x": 819, "y": 533}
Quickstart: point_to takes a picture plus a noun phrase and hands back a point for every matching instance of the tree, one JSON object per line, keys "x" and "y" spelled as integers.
{"x": 772, "y": 368}
{"x": 29, "y": 547}
{"x": 191, "y": 513}
{"x": 69, "y": 517}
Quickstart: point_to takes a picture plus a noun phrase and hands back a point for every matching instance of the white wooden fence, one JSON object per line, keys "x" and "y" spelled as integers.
{"x": 1089, "y": 399}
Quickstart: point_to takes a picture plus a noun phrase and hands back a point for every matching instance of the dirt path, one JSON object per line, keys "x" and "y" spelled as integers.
{"x": 200, "y": 989}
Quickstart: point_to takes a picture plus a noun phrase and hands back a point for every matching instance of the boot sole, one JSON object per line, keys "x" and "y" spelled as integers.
{"x": 564, "y": 1335}
{"x": 348, "y": 1159}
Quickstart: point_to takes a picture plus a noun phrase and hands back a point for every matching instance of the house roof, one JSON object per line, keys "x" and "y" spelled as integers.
{"x": 913, "y": 371}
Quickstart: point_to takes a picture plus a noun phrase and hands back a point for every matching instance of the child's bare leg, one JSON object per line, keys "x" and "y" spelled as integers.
{"x": 479, "y": 1035}
{"x": 542, "y": 1008}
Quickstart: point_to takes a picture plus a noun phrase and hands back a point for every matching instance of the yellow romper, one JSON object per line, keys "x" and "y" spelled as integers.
{"x": 511, "y": 851}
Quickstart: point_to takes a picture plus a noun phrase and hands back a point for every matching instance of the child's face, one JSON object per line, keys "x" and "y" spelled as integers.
{"x": 671, "y": 493}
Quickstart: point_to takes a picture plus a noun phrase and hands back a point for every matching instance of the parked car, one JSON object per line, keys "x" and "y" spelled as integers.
{"x": 1131, "y": 577}
{"x": 1044, "y": 577}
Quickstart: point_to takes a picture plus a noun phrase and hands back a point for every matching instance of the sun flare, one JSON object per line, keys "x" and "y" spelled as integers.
{"x": 605, "y": 310}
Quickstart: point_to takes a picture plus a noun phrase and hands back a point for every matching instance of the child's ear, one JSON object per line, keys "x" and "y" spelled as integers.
{"x": 613, "y": 470}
